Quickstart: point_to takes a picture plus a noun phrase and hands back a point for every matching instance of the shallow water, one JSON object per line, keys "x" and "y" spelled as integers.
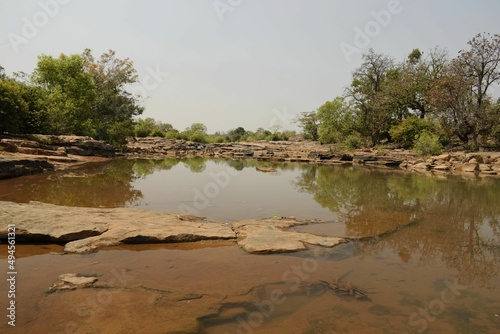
{"x": 440, "y": 274}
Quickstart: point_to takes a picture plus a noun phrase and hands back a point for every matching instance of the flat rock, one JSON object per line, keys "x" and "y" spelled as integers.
{"x": 441, "y": 168}
{"x": 271, "y": 236}
{"x": 87, "y": 229}
{"x": 471, "y": 167}
{"x": 71, "y": 282}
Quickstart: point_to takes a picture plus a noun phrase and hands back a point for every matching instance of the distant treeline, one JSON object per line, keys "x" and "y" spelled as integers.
{"x": 197, "y": 132}
{"x": 423, "y": 102}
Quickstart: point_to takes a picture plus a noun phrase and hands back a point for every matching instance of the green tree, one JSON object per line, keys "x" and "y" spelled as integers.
{"x": 336, "y": 121}
{"x": 309, "y": 122}
{"x": 367, "y": 93}
{"x": 236, "y": 134}
{"x": 13, "y": 107}
{"x": 197, "y": 132}
{"x": 461, "y": 96}
{"x": 113, "y": 108}
{"x": 408, "y": 85}
{"x": 70, "y": 92}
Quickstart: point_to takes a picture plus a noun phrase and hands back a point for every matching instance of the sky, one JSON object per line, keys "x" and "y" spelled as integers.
{"x": 231, "y": 63}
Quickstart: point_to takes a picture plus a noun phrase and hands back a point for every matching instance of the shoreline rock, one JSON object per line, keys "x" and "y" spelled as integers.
{"x": 84, "y": 230}
{"x": 315, "y": 153}
{"x": 22, "y": 155}
{"x": 61, "y": 152}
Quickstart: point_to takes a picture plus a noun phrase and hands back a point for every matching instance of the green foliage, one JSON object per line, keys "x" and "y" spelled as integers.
{"x": 198, "y": 137}
{"x": 309, "y": 123}
{"x": 427, "y": 144}
{"x": 405, "y": 133}
{"x": 74, "y": 94}
{"x": 148, "y": 127}
{"x": 13, "y": 107}
{"x": 354, "y": 141}
{"x": 70, "y": 92}
{"x": 336, "y": 121}
{"x": 236, "y": 134}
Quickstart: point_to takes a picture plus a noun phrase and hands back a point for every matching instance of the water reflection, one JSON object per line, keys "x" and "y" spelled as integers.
{"x": 457, "y": 221}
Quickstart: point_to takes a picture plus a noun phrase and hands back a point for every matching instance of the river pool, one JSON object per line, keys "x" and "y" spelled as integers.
{"x": 439, "y": 274}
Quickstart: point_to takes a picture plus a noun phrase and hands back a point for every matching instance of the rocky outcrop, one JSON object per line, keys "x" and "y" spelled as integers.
{"x": 19, "y": 167}
{"x": 87, "y": 229}
{"x": 481, "y": 164}
{"x": 61, "y": 146}
{"x": 84, "y": 230}
{"x": 31, "y": 154}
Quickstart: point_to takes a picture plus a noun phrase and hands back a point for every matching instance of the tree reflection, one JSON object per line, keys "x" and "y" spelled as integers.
{"x": 457, "y": 221}
{"x": 94, "y": 185}
{"x": 145, "y": 167}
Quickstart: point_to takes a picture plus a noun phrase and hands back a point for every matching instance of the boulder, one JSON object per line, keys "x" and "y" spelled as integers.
{"x": 444, "y": 157}
{"x": 470, "y": 168}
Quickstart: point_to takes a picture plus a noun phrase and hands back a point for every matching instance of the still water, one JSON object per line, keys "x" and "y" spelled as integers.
{"x": 440, "y": 274}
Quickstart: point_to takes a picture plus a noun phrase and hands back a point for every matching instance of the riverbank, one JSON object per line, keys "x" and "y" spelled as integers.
{"x": 465, "y": 163}
{"x": 30, "y": 154}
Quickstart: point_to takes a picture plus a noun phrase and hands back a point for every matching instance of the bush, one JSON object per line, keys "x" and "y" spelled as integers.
{"x": 427, "y": 143}
{"x": 405, "y": 133}
{"x": 496, "y": 135}
{"x": 198, "y": 137}
{"x": 354, "y": 141}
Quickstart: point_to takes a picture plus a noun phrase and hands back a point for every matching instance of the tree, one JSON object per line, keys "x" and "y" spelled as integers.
{"x": 366, "y": 91}
{"x": 336, "y": 121}
{"x": 113, "y": 109}
{"x": 197, "y": 132}
{"x": 236, "y": 134}
{"x": 480, "y": 65}
{"x": 13, "y": 107}
{"x": 70, "y": 92}
{"x": 408, "y": 85}
{"x": 309, "y": 123}
{"x": 465, "y": 107}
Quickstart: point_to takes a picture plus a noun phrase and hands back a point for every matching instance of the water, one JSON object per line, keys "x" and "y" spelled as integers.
{"x": 439, "y": 274}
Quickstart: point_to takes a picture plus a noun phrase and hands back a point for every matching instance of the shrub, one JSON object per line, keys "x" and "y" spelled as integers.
{"x": 198, "y": 137}
{"x": 354, "y": 141}
{"x": 405, "y": 133}
{"x": 427, "y": 143}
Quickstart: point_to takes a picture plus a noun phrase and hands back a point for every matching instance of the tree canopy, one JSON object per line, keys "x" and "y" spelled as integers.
{"x": 72, "y": 94}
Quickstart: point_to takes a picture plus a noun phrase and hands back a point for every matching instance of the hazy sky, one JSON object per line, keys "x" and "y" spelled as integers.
{"x": 230, "y": 63}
